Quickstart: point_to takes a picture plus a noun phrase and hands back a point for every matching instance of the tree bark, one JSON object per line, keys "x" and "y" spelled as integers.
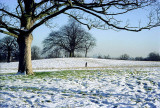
{"x": 25, "y": 63}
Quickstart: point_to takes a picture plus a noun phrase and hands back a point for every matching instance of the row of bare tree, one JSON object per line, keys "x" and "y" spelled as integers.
{"x": 153, "y": 56}
{"x": 69, "y": 39}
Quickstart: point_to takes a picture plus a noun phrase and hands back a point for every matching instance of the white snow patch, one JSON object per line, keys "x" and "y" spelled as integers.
{"x": 79, "y": 64}
{"x": 121, "y": 86}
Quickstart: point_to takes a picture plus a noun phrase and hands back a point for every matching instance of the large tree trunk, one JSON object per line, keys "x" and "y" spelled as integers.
{"x": 25, "y": 63}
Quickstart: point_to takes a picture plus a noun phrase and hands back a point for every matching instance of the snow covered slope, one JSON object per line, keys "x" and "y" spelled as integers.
{"x": 113, "y": 84}
{"x": 79, "y": 63}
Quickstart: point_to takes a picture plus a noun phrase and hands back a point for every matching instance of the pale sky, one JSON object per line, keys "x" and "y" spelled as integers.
{"x": 109, "y": 41}
{"x": 112, "y": 42}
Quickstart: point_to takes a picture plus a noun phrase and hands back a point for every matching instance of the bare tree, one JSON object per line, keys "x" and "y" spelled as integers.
{"x": 9, "y": 46}
{"x": 30, "y": 14}
{"x": 124, "y": 57}
{"x": 35, "y": 51}
{"x": 89, "y": 43}
{"x": 71, "y": 37}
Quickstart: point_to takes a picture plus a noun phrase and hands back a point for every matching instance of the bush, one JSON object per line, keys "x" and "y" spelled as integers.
{"x": 124, "y": 57}
{"x": 107, "y": 57}
{"x": 99, "y": 57}
{"x": 153, "y": 56}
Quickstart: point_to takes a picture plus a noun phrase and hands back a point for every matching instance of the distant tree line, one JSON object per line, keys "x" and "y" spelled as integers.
{"x": 153, "y": 56}
{"x": 9, "y": 52}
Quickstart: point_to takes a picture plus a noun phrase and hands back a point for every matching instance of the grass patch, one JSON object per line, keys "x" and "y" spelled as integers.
{"x": 71, "y": 74}
{"x": 2, "y": 74}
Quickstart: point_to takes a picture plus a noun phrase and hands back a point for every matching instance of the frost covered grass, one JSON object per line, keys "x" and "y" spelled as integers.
{"x": 107, "y": 88}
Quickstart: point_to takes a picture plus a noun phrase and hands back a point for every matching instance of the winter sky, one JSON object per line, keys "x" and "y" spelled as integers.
{"x": 109, "y": 41}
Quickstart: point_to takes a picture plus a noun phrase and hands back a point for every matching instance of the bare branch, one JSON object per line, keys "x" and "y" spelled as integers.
{"x": 49, "y": 17}
{"x": 13, "y": 30}
{"x": 48, "y": 11}
{"x": 21, "y": 6}
{"x": 135, "y": 29}
{"x": 8, "y": 13}
{"x": 9, "y": 33}
{"x": 41, "y": 3}
{"x": 78, "y": 20}
{"x": 98, "y": 8}
{"x": 103, "y": 7}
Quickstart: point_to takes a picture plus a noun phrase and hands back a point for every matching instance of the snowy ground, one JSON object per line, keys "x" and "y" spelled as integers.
{"x": 104, "y": 83}
{"x": 79, "y": 63}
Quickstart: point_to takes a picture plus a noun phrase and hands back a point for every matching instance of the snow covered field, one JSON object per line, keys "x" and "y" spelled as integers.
{"x": 104, "y": 83}
{"x": 79, "y": 63}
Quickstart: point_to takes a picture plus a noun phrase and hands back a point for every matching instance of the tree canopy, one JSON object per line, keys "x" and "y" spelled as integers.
{"x": 8, "y": 47}
{"x": 71, "y": 37}
{"x": 40, "y": 11}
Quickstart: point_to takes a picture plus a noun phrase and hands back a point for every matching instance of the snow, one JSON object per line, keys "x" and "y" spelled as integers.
{"x": 108, "y": 84}
{"x": 79, "y": 63}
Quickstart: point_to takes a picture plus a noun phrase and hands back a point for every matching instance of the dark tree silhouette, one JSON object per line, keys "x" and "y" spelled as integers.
{"x": 124, "y": 57}
{"x": 107, "y": 57}
{"x": 153, "y": 56}
{"x": 71, "y": 37}
{"x": 9, "y": 46}
{"x": 27, "y": 15}
{"x": 139, "y": 58}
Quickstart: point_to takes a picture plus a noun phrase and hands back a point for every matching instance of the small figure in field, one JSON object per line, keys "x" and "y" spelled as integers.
{"x": 86, "y": 64}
